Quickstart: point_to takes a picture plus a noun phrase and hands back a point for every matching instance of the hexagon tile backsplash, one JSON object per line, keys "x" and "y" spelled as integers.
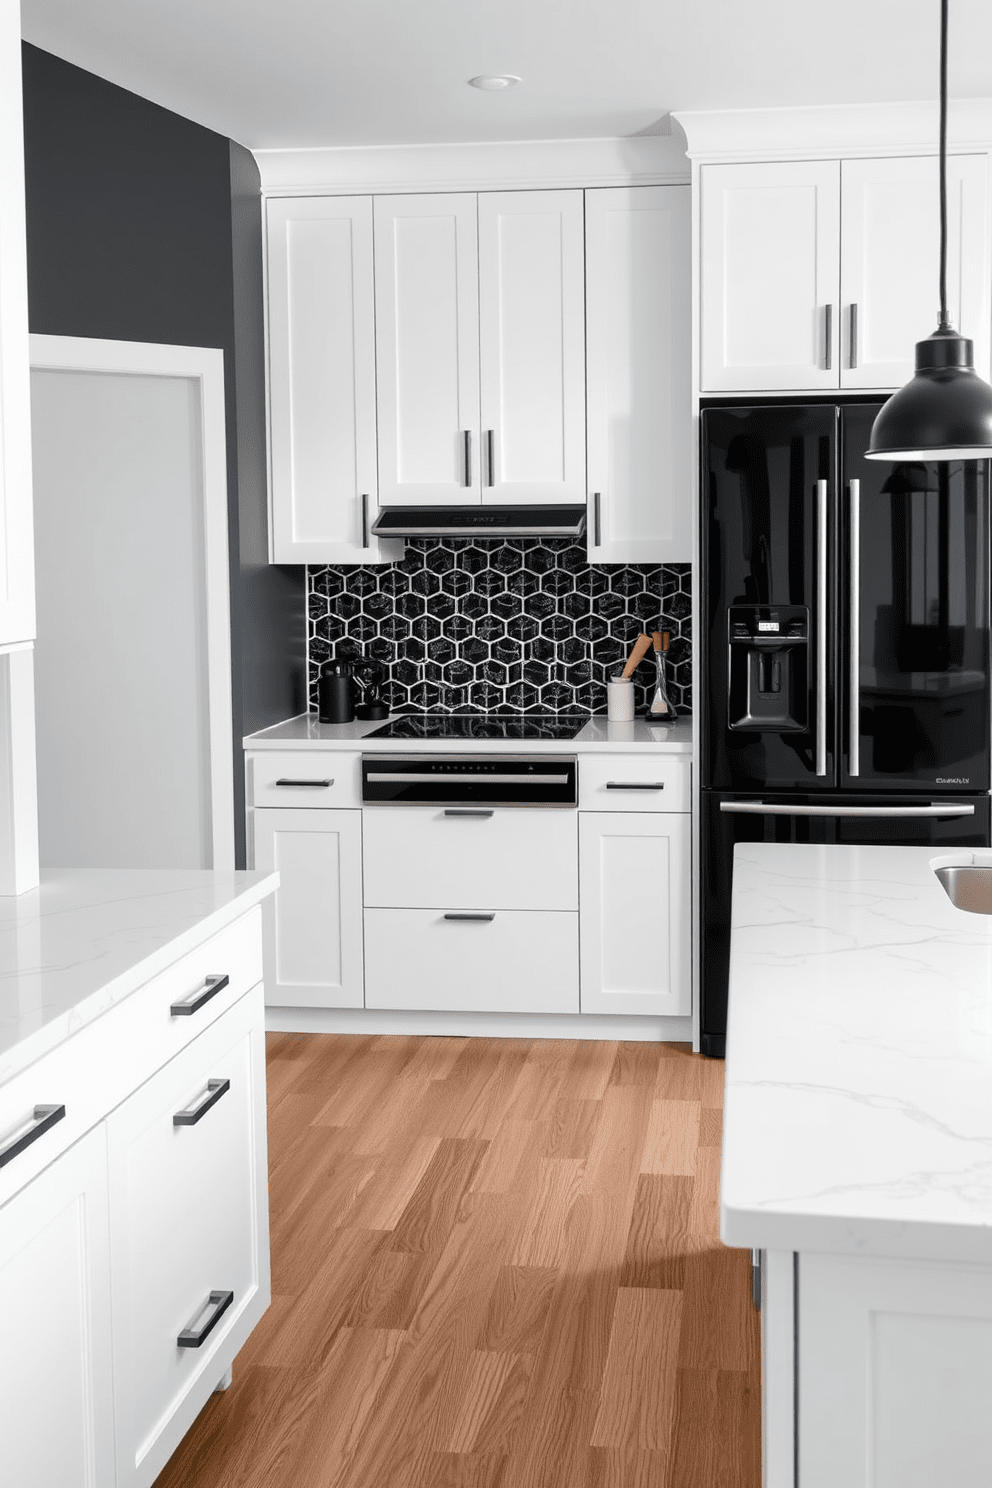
{"x": 500, "y": 627}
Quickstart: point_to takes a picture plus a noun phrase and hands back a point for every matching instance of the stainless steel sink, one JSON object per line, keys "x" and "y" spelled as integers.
{"x": 968, "y": 887}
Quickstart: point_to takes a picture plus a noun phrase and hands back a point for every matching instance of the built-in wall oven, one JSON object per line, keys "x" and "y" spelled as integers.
{"x": 469, "y": 780}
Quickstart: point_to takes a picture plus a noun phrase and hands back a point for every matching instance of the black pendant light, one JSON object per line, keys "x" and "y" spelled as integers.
{"x": 945, "y": 413}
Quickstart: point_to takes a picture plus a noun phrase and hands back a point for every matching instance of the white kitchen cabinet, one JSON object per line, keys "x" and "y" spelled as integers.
{"x": 638, "y": 410}
{"x": 889, "y": 263}
{"x": 56, "y": 1405}
{"x": 634, "y": 896}
{"x": 314, "y": 957}
{"x": 770, "y": 275}
{"x": 427, "y": 348}
{"x": 531, "y": 333}
{"x": 321, "y": 358}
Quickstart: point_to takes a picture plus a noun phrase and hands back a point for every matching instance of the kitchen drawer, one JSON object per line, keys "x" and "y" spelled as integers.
{"x": 518, "y": 961}
{"x": 96, "y": 1068}
{"x": 184, "y": 1225}
{"x": 634, "y": 782}
{"x": 302, "y": 777}
{"x": 506, "y": 858}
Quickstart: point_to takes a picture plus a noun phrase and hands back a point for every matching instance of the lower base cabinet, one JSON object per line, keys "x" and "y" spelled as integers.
{"x": 634, "y": 887}
{"x": 56, "y": 1404}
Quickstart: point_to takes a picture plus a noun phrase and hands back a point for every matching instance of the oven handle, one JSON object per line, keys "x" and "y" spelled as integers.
{"x": 398, "y": 777}
{"x": 759, "y": 808}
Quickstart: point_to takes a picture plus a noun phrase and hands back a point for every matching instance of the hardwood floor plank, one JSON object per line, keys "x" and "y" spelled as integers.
{"x": 518, "y": 1310}
{"x": 516, "y": 1146}
{"x": 393, "y": 1183}
{"x": 590, "y": 1069}
{"x": 719, "y": 1322}
{"x": 637, "y": 1398}
{"x": 492, "y": 1403}
{"x": 635, "y": 1064}
{"x": 628, "y": 1467}
{"x": 717, "y": 1431}
{"x": 710, "y": 1126}
{"x": 660, "y": 1235}
{"x": 617, "y": 1148}
{"x": 672, "y": 1138}
{"x": 428, "y": 1217}
{"x": 572, "y": 1127}
{"x": 541, "y": 1241}
{"x": 680, "y": 1074}
{"x": 462, "y": 1470}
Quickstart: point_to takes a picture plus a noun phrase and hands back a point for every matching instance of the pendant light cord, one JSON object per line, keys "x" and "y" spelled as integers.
{"x": 944, "y": 320}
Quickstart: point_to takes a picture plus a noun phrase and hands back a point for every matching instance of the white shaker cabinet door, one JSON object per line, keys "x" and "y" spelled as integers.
{"x": 321, "y": 351}
{"x": 56, "y": 1404}
{"x": 634, "y": 897}
{"x": 314, "y": 958}
{"x": 890, "y": 261}
{"x": 532, "y": 333}
{"x": 639, "y": 418}
{"x": 770, "y": 275}
{"x": 427, "y": 348}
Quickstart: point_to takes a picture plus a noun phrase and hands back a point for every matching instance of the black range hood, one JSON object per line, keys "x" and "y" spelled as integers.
{"x": 480, "y": 522}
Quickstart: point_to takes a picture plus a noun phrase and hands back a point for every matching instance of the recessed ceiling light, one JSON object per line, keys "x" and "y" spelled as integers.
{"x": 494, "y": 84}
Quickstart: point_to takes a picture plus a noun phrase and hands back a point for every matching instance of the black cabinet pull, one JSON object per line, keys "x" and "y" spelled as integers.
{"x": 42, "y": 1120}
{"x": 365, "y": 520}
{"x": 597, "y": 526}
{"x": 196, "y": 1112}
{"x": 468, "y": 456}
{"x": 215, "y": 1307}
{"x": 490, "y": 447}
{"x": 466, "y": 811}
{"x": 307, "y": 784}
{"x": 635, "y": 785}
{"x": 828, "y": 337}
{"x": 189, "y": 1005}
{"x": 482, "y": 918}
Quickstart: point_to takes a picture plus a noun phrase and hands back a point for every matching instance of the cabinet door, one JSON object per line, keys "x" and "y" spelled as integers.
{"x": 638, "y": 298}
{"x": 56, "y": 1407}
{"x": 314, "y": 959}
{"x": 890, "y": 259}
{"x": 532, "y": 331}
{"x": 634, "y": 913}
{"x": 770, "y": 271}
{"x": 427, "y": 349}
{"x": 321, "y": 346}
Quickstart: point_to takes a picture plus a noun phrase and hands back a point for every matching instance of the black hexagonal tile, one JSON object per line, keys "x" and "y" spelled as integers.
{"x": 441, "y": 650}
{"x": 506, "y": 606}
{"x": 440, "y": 559}
{"x": 426, "y": 628}
{"x": 522, "y": 628}
{"x": 411, "y": 606}
{"x": 474, "y": 606}
{"x": 490, "y": 628}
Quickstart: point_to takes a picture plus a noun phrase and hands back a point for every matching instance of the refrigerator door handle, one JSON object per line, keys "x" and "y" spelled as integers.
{"x": 821, "y": 627}
{"x": 854, "y": 636}
{"x": 761, "y": 808}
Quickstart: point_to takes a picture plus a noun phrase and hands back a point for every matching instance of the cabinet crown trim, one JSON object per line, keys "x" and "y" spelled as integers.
{"x": 832, "y": 131}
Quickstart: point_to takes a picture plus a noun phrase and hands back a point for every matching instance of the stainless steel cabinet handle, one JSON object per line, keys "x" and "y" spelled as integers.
{"x": 491, "y": 457}
{"x": 196, "y": 1000}
{"x": 365, "y": 520}
{"x": 597, "y": 523}
{"x": 466, "y": 811}
{"x": 828, "y": 336}
{"x": 635, "y": 785}
{"x": 468, "y": 457}
{"x": 821, "y": 627}
{"x": 43, "y": 1118}
{"x": 482, "y": 918}
{"x": 206, "y": 1320}
{"x": 854, "y": 636}
{"x": 306, "y": 784}
{"x": 761, "y": 808}
{"x": 854, "y": 336}
{"x": 190, "y": 1115}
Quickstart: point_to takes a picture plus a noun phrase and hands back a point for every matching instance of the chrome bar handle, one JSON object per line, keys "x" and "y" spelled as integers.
{"x": 821, "y": 627}
{"x": 481, "y": 918}
{"x": 828, "y": 336}
{"x": 491, "y": 456}
{"x": 209, "y": 1315}
{"x": 365, "y": 519}
{"x": 651, "y": 785}
{"x": 777, "y": 808}
{"x": 854, "y": 636}
{"x": 467, "y": 811}
{"x": 190, "y": 1115}
{"x": 854, "y": 336}
{"x": 189, "y": 1005}
{"x": 597, "y": 520}
{"x": 305, "y": 784}
{"x": 43, "y": 1118}
{"x": 468, "y": 456}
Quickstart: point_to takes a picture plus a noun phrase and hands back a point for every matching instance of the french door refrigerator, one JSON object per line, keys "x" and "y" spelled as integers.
{"x": 845, "y": 658}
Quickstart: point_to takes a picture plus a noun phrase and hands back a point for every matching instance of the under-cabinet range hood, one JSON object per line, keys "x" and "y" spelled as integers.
{"x": 480, "y": 522}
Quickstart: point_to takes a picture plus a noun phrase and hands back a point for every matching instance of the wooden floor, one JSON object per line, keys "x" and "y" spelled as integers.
{"x": 495, "y": 1264}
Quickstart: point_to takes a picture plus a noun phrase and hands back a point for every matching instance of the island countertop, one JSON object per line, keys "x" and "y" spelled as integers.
{"x": 858, "y": 1112}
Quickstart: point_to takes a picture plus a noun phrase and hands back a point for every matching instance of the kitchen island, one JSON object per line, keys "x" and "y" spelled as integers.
{"x": 857, "y": 1158}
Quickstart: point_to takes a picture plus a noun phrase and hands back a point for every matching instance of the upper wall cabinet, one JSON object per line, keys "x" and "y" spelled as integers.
{"x": 480, "y": 342}
{"x": 321, "y": 350}
{"x": 823, "y": 274}
{"x": 638, "y": 416}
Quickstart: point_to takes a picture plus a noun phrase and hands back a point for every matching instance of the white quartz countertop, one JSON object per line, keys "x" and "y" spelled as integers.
{"x": 859, "y": 1056}
{"x": 73, "y": 948}
{"x": 304, "y": 731}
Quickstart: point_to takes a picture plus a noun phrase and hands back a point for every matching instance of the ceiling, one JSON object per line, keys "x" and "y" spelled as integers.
{"x": 283, "y": 73}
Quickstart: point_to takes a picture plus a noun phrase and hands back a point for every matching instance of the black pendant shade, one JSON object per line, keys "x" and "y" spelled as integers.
{"x": 945, "y": 413}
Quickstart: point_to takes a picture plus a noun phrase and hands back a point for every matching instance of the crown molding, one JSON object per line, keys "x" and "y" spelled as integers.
{"x": 509, "y": 165}
{"x": 832, "y": 131}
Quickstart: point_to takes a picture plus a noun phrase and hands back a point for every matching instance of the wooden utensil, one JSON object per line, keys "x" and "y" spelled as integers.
{"x": 641, "y": 645}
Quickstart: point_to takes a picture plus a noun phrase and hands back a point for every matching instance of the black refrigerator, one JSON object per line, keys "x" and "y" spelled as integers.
{"x": 845, "y": 649}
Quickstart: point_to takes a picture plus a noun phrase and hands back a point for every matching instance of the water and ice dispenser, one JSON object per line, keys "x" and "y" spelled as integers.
{"x": 769, "y": 668}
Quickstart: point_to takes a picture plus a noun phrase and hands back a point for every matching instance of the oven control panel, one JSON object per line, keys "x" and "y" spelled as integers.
{"x": 469, "y": 780}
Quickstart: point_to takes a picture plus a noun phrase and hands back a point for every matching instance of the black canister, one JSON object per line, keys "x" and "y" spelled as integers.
{"x": 336, "y": 692}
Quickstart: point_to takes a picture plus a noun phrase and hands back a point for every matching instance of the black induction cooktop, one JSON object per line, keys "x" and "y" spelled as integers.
{"x": 482, "y": 726}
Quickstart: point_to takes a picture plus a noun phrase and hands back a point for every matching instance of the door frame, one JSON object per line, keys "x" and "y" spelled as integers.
{"x": 204, "y": 366}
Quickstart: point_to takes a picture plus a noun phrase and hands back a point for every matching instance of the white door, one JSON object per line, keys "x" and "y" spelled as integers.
{"x": 634, "y": 897}
{"x": 532, "y": 333}
{"x": 314, "y": 958}
{"x": 56, "y": 1405}
{"x": 427, "y": 349}
{"x": 638, "y": 329}
{"x": 889, "y": 263}
{"x": 321, "y": 351}
{"x": 770, "y": 275}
